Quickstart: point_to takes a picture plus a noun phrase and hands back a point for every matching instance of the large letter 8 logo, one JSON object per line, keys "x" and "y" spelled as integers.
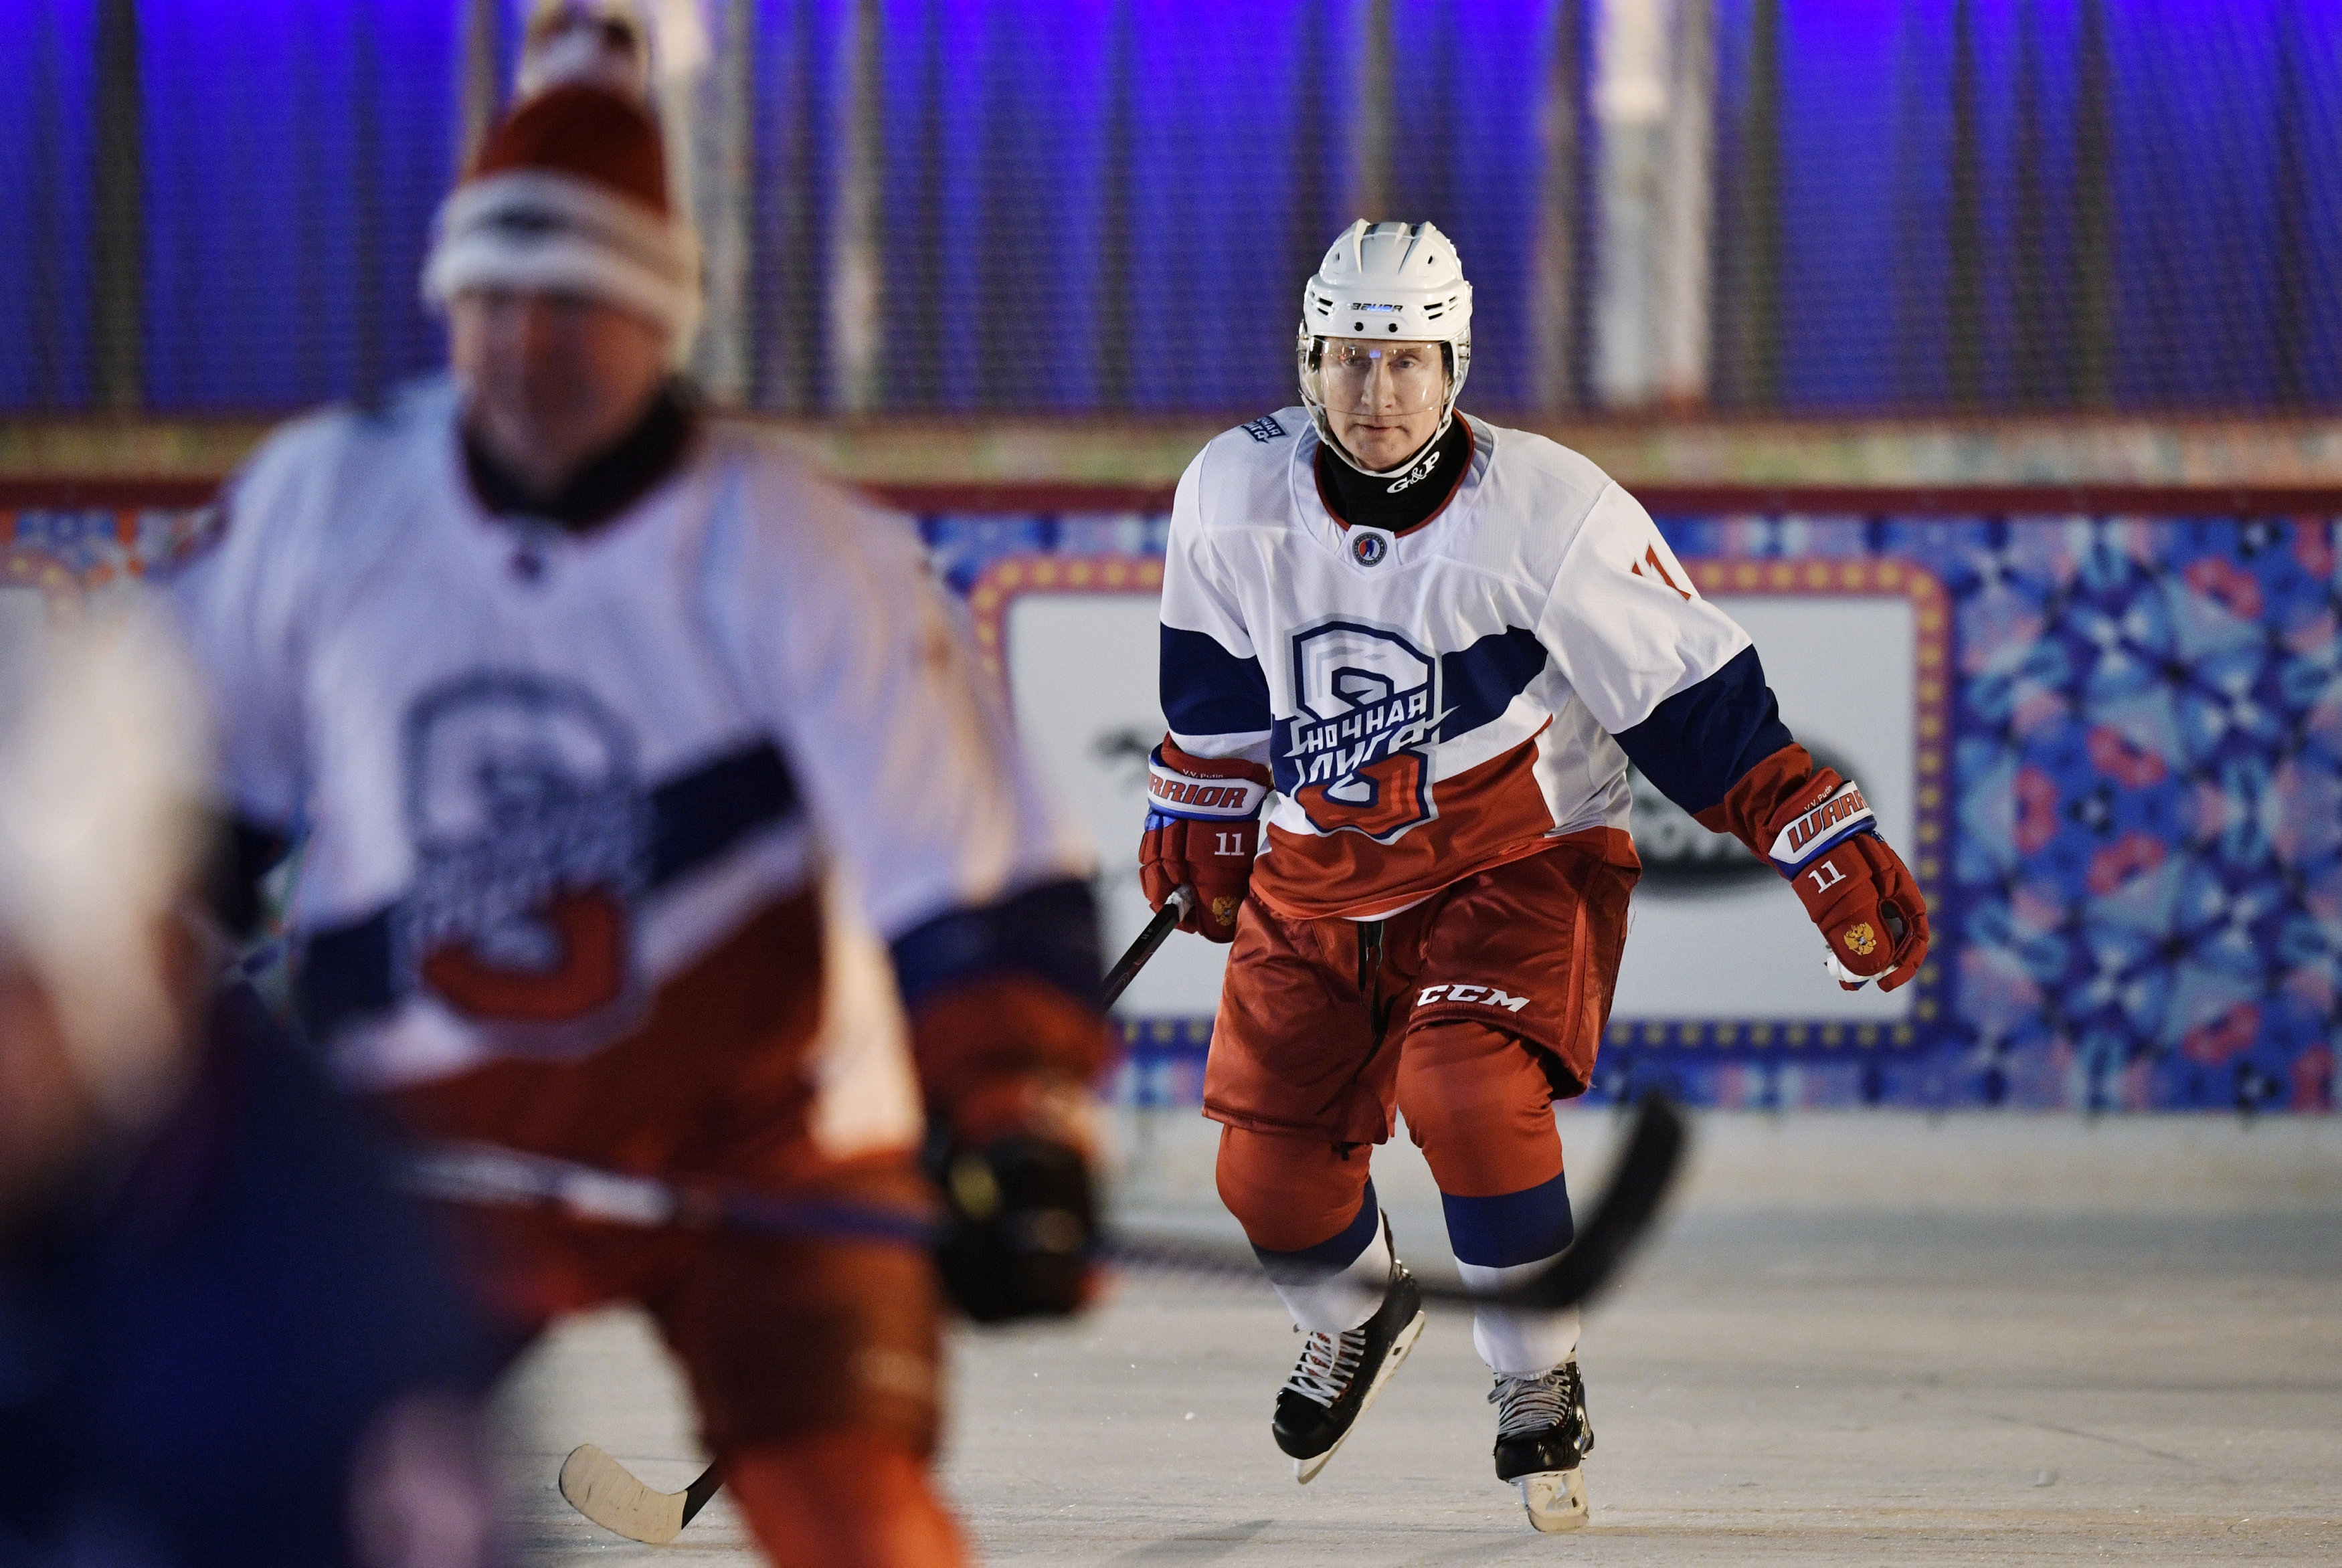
{"x": 1367, "y": 700}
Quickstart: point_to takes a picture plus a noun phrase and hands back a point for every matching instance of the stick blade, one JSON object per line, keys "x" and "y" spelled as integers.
{"x": 607, "y": 1491}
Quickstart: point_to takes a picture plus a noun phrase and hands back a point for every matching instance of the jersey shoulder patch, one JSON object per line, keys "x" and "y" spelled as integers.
{"x": 1252, "y": 437}
{"x": 1244, "y": 474}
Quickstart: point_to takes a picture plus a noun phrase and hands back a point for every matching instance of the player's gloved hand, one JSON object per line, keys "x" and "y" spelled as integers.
{"x": 1202, "y": 829}
{"x": 1825, "y": 840}
{"x": 1021, "y": 1217}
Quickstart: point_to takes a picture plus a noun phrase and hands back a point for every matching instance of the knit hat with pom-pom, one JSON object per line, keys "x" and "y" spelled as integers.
{"x": 603, "y": 42}
{"x": 569, "y": 195}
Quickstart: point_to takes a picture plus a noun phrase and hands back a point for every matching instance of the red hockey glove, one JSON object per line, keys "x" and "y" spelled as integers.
{"x": 1819, "y": 832}
{"x": 1202, "y": 829}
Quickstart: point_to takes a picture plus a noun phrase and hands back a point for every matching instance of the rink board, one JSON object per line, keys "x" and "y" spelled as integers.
{"x": 2107, "y": 744}
{"x": 1719, "y": 950}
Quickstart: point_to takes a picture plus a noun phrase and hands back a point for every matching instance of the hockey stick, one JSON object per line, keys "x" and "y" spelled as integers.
{"x": 607, "y": 1491}
{"x": 598, "y": 1485}
{"x": 1126, "y": 968}
{"x": 604, "y": 1491}
{"x": 481, "y": 1173}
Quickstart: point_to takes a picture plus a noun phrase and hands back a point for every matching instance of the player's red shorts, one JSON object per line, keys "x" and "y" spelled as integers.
{"x": 1530, "y": 948}
{"x": 779, "y": 1337}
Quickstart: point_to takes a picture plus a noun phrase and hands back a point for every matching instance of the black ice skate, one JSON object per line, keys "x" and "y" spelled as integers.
{"x": 1340, "y": 1374}
{"x": 1542, "y": 1437}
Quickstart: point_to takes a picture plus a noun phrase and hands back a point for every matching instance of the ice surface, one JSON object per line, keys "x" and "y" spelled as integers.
{"x": 1860, "y": 1340}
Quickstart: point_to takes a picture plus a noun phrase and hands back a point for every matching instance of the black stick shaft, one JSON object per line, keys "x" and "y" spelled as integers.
{"x": 695, "y": 1495}
{"x": 1126, "y": 967}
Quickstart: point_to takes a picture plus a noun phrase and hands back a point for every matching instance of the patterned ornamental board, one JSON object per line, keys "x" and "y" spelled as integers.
{"x": 2146, "y": 850}
{"x": 2136, "y": 864}
{"x": 2138, "y": 898}
{"x": 63, "y": 554}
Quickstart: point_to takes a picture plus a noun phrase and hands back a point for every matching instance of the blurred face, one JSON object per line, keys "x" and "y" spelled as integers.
{"x": 554, "y": 379}
{"x": 1382, "y": 399}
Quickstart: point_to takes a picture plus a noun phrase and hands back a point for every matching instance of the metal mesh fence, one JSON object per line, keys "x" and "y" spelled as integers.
{"x": 1067, "y": 206}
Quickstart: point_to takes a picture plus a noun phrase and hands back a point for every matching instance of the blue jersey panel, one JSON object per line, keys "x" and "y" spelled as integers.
{"x": 1480, "y": 683}
{"x": 1049, "y": 933}
{"x": 1208, "y": 690}
{"x": 1702, "y": 741}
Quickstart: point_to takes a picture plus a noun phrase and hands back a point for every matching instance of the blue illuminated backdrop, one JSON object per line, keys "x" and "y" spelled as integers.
{"x": 2042, "y": 204}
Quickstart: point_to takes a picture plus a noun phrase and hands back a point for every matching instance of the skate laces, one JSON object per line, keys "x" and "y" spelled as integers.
{"x": 1328, "y": 1361}
{"x": 1532, "y": 1404}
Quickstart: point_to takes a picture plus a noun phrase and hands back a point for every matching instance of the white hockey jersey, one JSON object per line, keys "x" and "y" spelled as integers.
{"x": 1429, "y": 702}
{"x": 542, "y": 776}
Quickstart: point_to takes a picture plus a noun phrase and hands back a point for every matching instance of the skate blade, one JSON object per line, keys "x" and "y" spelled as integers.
{"x": 1305, "y": 1470}
{"x": 1555, "y": 1499}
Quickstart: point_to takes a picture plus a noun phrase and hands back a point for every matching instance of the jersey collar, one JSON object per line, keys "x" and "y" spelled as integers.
{"x": 1397, "y": 550}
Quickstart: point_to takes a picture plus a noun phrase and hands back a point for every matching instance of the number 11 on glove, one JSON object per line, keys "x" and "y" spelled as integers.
{"x": 1873, "y": 918}
{"x": 1202, "y": 829}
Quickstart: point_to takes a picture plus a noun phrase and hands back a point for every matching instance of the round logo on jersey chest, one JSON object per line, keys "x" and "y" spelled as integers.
{"x": 1370, "y": 549}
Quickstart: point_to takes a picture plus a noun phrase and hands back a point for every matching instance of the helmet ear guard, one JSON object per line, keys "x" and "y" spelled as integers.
{"x": 1404, "y": 279}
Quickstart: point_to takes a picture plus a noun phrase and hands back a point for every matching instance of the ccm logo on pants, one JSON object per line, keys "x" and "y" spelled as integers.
{"x": 1484, "y": 993}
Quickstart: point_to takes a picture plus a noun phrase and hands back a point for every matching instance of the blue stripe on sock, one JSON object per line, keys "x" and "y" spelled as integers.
{"x": 1334, "y": 1255}
{"x": 1511, "y": 1227}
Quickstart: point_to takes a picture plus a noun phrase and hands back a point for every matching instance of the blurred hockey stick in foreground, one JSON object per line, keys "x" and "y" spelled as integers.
{"x": 499, "y": 1177}
{"x": 606, "y": 1492}
{"x": 596, "y": 1484}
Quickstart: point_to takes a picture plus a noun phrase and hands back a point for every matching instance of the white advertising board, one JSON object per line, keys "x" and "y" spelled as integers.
{"x": 1081, "y": 679}
{"x": 1714, "y": 935}
{"x": 1742, "y": 947}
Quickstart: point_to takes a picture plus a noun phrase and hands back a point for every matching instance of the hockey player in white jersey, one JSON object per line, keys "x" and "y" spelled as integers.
{"x": 585, "y": 704}
{"x": 1431, "y": 646}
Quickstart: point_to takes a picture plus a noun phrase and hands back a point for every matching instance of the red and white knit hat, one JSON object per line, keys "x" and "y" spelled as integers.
{"x": 569, "y": 193}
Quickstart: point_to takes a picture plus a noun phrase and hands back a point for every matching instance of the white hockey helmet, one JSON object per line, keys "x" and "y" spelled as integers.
{"x": 1399, "y": 282}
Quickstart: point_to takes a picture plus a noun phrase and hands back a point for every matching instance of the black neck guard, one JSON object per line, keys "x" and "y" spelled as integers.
{"x": 1398, "y": 502}
{"x": 613, "y": 480}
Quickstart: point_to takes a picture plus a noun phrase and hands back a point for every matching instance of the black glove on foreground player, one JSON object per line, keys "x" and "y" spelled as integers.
{"x": 1021, "y": 1221}
{"x": 1006, "y": 1065}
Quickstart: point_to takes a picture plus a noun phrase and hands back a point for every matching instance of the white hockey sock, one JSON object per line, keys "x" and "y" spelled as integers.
{"x": 1343, "y": 1299}
{"x": 1513, "y": 1343}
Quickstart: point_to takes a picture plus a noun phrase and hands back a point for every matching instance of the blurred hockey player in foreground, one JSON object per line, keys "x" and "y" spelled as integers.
{"x": 629, "y": 753}
{"x": 1432, "y": 646}
{"x": 224, "y": 1342}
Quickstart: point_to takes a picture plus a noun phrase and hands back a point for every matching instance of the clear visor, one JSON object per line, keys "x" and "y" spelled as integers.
{"x": 1367, "y": 377}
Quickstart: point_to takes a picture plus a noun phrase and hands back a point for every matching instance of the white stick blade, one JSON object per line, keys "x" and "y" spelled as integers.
{"x": 603, "y": 1490}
